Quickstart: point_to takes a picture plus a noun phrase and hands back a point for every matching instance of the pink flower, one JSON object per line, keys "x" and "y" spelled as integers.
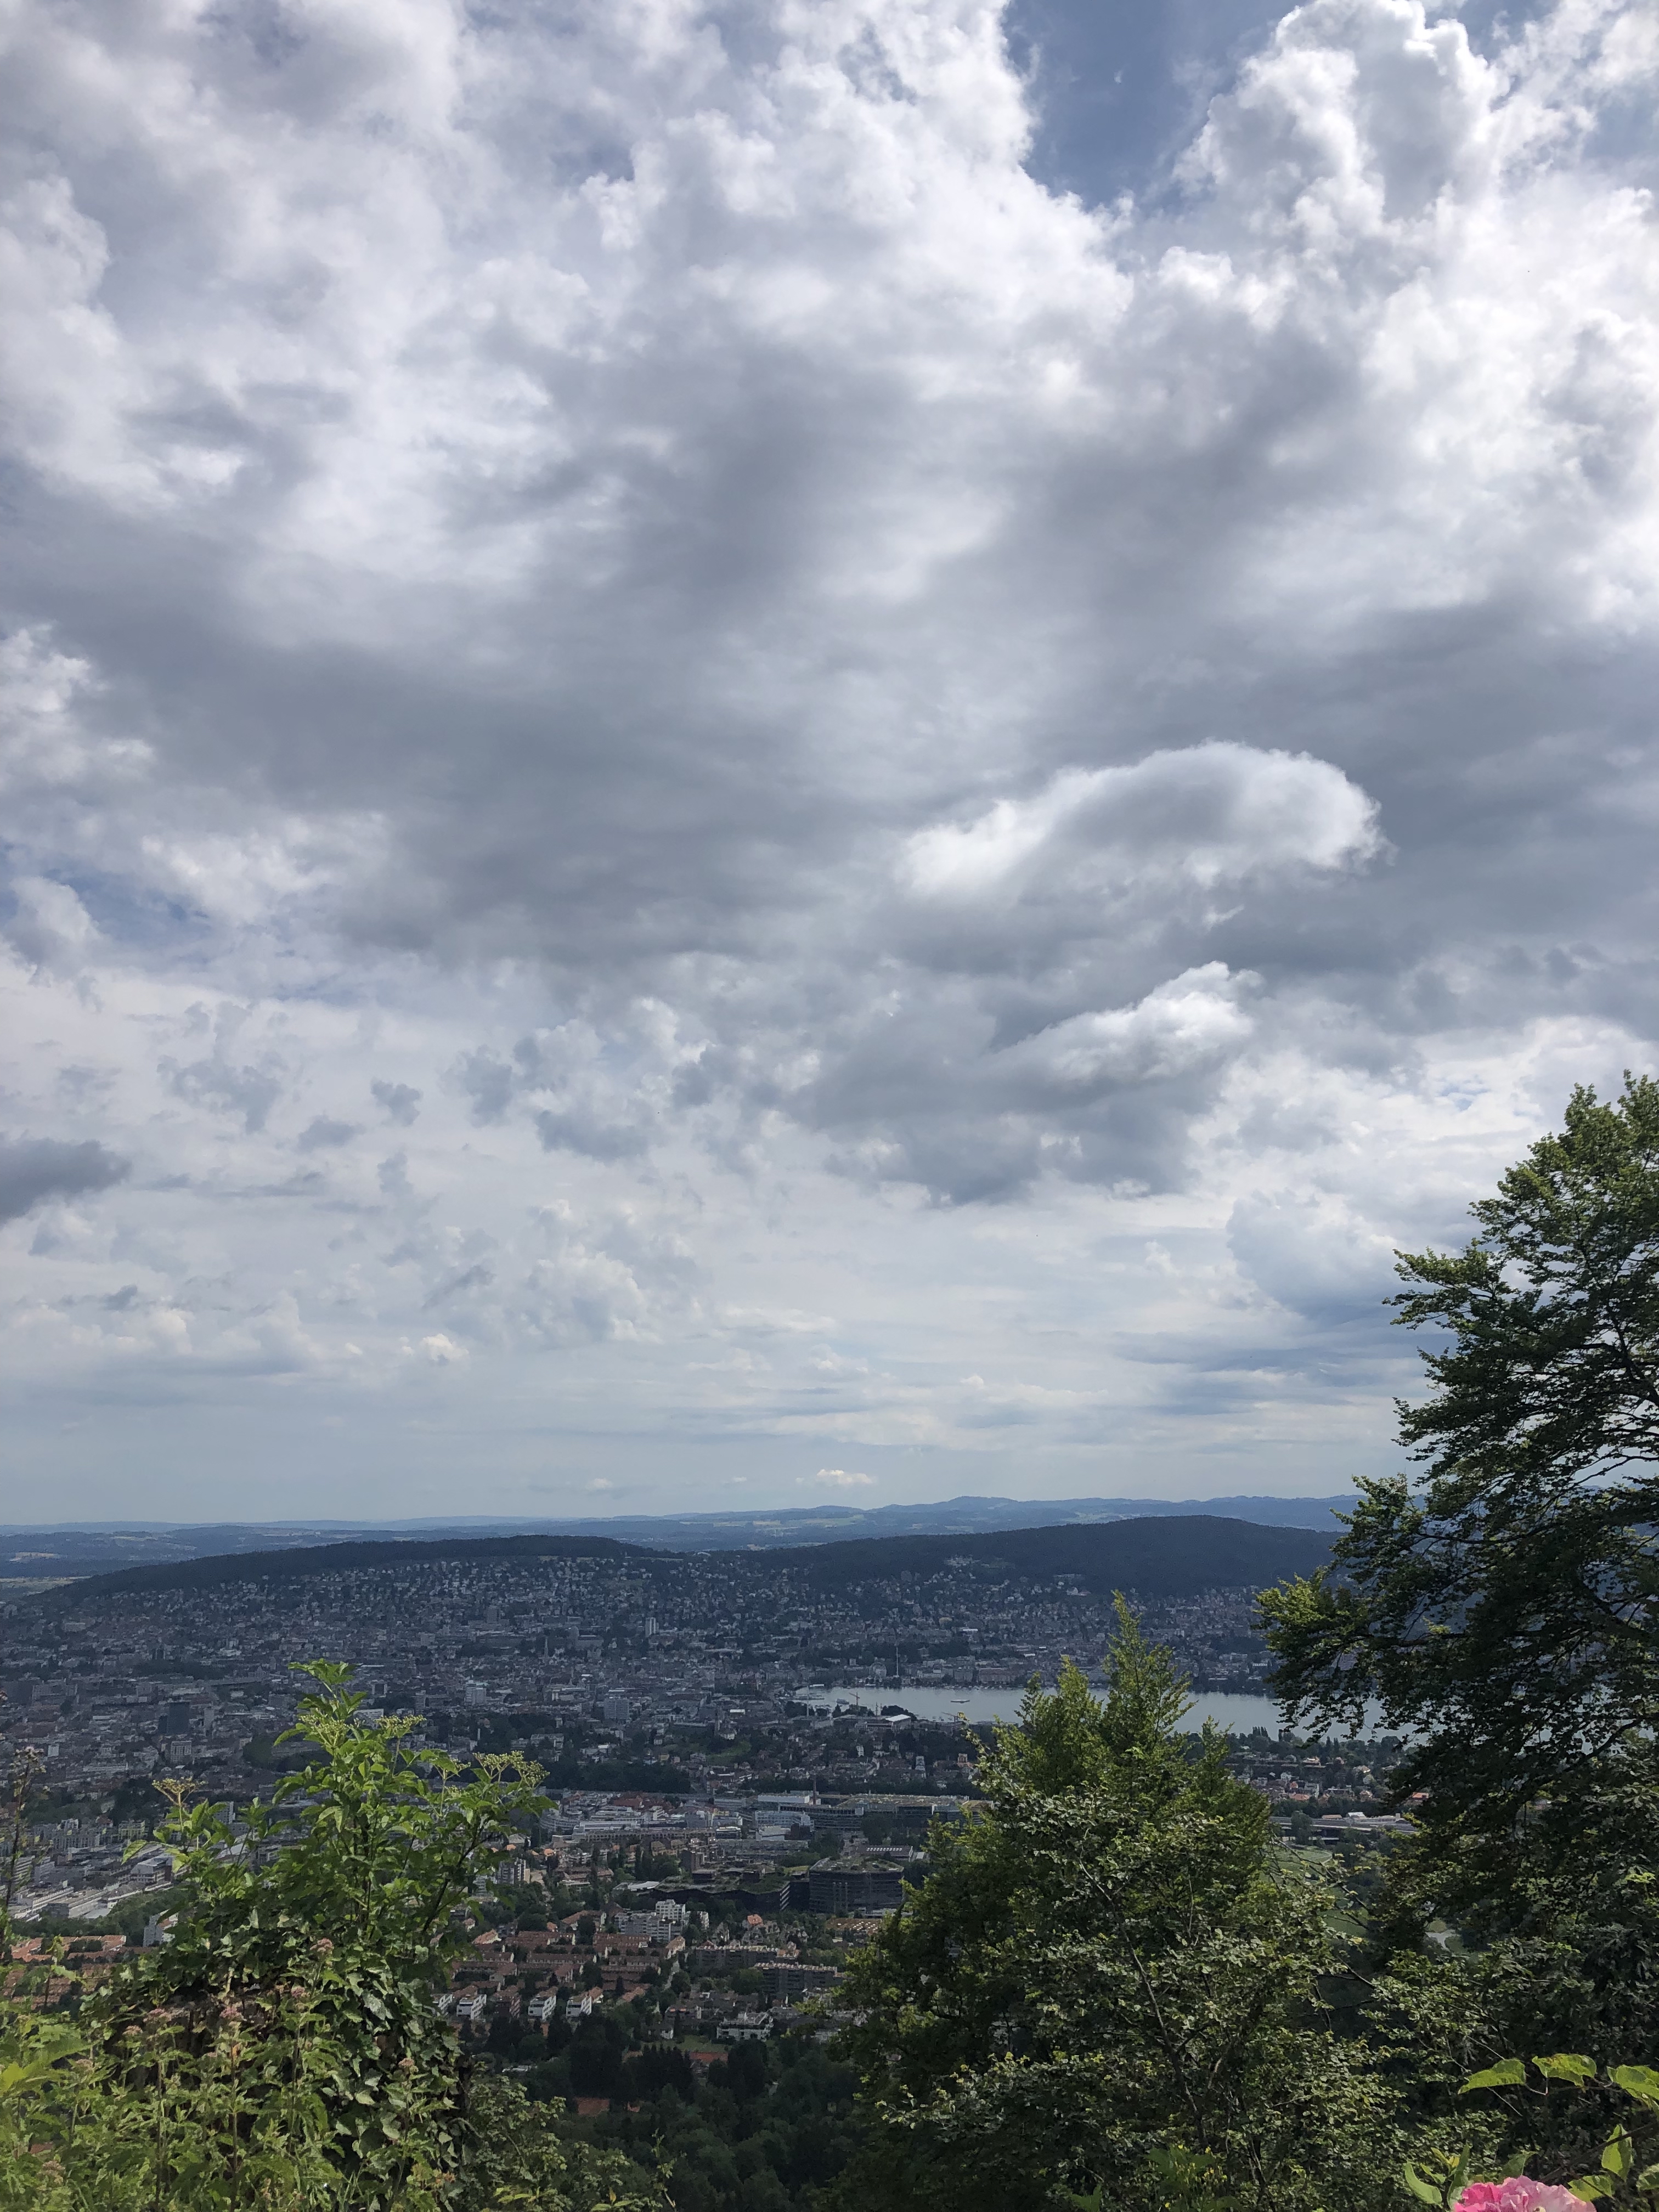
{"x": 1519, "y": 2195}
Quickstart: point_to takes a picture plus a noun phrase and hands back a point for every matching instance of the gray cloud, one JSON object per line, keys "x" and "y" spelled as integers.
{"x": 1311, "y": 1253}
{"x": 578, "y": 1133}
{"x": 323, "y": 1134}
{"x": 50, "y": 927}
{"x": 859, "y": 736}
{"x": 398, "y": 1102}
{"x": 249, "y": 1089}
{"x": 35, "y": 1168}
{"x": 478, "y": 1277}
{"x": 488, "y": 1083}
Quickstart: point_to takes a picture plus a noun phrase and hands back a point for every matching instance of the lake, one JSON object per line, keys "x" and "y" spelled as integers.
{"x": 1237, "y": 1712}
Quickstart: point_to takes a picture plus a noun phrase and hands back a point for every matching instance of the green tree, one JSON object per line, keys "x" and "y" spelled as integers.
{"x": 1111, "y": 1983}
{"x": 1503, "y": 1606}
{"x": 284, "y": 2050}
{"x": 345, "y": 1887}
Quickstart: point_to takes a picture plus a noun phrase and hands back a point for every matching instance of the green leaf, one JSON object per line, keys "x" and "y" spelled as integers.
{"x": 1639, "y": 2081}
{"x": 1619, "y": 2156}
{"x": 1590, "y": 2186}
{"x": 1424, "y": 2191}
{"x": 1567, "y": 2066}
{"x": 1506, "y": 2074}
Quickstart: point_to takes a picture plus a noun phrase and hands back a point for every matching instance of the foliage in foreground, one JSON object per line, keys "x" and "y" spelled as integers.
{"x": 1111, "y": 1988}
{"x": 1504, "y": 1607}
{"x": 284, "y": 2050}
{"x": 1625, "y": 2174}
{"x": 1113, "y": 1994}
{"x": 762, "y": 2130}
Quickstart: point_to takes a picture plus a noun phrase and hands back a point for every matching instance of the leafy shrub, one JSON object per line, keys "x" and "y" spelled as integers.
{"x": 285, "y": 2051}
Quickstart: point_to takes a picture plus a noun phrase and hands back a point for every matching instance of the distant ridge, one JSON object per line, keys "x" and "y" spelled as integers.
{"x": 101, "y": 1547}
{"x": 1165, "y": 1555}
{"x": 306, "y": 1559}
{"x": 826, "y": 1523}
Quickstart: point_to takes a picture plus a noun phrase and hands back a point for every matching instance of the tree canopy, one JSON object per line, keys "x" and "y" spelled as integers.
{"x": 1110, "y": 1971}
{"x": 1502, "y": 1605}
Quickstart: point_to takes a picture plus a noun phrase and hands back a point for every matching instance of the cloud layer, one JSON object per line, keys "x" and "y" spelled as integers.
{"x": 703, "y": 782}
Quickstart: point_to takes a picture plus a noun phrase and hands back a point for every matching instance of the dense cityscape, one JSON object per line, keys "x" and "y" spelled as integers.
{"x": 736, "y": 1786}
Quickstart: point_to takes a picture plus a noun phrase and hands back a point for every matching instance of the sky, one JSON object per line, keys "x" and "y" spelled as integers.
{"x": 775, "y": 752}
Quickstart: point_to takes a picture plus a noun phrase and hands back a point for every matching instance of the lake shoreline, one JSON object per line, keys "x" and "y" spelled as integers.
{"x": 1238, "y": 1712}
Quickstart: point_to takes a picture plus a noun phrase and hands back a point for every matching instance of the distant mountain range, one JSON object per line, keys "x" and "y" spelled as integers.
{"x": 1168, "y": 1555}
{"x": 953, "y": 1516}
{"x": 80, "y": 1548}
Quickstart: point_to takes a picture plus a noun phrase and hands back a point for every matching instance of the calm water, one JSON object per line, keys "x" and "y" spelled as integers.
{"x": 1232, "y": 1710}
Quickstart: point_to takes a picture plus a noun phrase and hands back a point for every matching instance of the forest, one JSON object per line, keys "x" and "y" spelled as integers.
{"x": 1121, "y": 1984}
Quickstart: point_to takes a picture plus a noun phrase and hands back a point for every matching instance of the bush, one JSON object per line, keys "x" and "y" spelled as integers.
{"x": 285, "y": 2051}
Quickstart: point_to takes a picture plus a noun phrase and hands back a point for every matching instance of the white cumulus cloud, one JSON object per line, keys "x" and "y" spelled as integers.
{"x": 685, "y": 755}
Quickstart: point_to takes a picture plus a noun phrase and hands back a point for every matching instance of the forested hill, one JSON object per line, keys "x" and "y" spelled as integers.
{"x": 34, "y": 1553}
{"x": 1161, "y": 1557}
{"x": 355, "y": 1558}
